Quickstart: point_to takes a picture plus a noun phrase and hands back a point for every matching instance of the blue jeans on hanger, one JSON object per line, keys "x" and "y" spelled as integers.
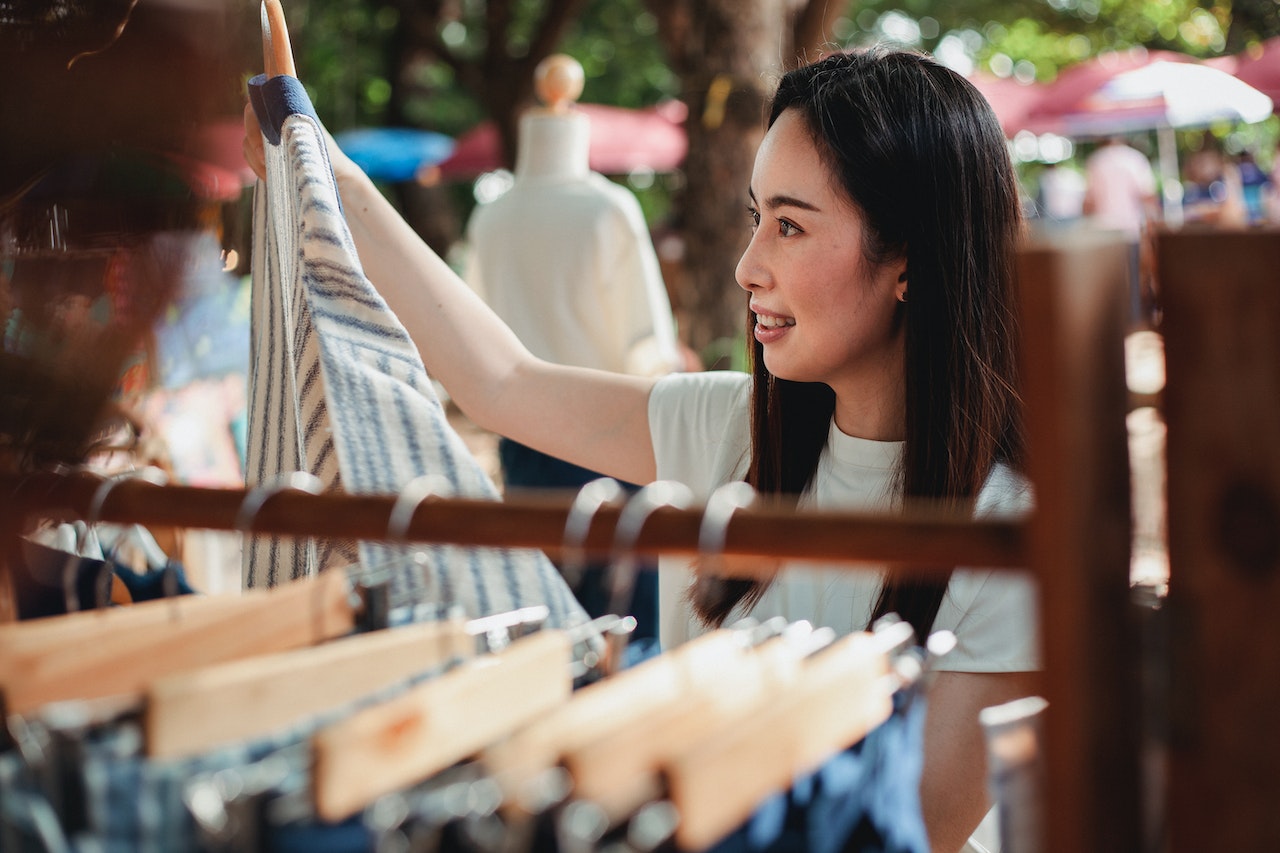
{"x": 865, "y": 799}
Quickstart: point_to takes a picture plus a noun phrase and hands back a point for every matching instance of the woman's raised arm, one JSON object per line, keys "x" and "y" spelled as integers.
{"x": 592, "y": 418}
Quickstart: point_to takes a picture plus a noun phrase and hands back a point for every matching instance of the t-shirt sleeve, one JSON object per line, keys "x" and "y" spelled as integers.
{"x": 698, "y": 422}
{"x": 993, "y": 613}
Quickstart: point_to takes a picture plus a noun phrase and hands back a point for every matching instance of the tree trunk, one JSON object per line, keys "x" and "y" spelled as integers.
{"x": 728, "y": 54}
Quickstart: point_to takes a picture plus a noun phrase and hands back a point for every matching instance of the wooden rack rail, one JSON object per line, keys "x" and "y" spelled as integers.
{"x": 538, "y": 521}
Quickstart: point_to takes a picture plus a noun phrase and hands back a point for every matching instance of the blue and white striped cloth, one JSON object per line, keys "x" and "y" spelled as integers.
{"x": 339, "y": 390}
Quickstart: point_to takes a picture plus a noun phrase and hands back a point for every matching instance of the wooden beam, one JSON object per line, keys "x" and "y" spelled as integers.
{"x": 1073, "y": 304}
{"x": 1222, "y": 402}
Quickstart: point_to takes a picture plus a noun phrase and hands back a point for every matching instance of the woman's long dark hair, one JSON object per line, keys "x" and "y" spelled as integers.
{"x": 920, "y": 153}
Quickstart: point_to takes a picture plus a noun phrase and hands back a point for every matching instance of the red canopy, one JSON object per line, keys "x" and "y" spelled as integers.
{"x": 1073, "y": 93}
{"x": 622, "y": 140}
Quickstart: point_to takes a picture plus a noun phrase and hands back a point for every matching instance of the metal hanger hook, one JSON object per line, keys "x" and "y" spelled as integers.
{"x": 723, "y": 504}
{"x": 299, "y": 481}
{"x": 590, "y": 498}
{"x": 411, "y": 497}
{"x": 93, "y": 514}
{"x": 649, "y": 499}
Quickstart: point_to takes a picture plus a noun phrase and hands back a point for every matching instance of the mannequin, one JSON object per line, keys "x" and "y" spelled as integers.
{"x": 565, "y": 258}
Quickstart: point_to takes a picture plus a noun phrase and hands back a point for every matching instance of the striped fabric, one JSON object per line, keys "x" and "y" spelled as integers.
{"x": 289, "y": 426}
{"x": 340, "y": 391}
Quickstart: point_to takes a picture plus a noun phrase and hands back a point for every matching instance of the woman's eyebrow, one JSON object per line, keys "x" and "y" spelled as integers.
{"x": 775, "y": 201}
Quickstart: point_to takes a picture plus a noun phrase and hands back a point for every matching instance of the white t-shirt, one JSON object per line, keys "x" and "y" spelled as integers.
{"x": 568, "y": 264}
{"x": 701, "y": 437}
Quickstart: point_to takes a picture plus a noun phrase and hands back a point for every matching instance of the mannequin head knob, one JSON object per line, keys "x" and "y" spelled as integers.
{"x": 558, "y": 81}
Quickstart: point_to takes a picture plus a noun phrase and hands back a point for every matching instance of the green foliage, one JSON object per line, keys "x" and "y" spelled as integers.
{"x": 617, "y": 43}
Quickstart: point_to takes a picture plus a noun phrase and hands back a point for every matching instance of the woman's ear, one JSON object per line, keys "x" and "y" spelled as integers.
{"x": 902, "y": 281}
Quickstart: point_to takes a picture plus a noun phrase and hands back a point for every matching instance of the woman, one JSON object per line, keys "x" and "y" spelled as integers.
{"x": 884, "y": 216}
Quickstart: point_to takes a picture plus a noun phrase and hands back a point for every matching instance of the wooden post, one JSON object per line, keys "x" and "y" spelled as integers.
{"x": 1074, "y": 307}
{"x": 1222, "y": 342}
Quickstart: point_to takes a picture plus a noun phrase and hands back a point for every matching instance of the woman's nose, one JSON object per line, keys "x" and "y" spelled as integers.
{"x": 750, "y": 273}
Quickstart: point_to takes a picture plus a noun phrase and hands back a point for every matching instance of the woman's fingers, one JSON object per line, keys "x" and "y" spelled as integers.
{"x": 252, "y": 145}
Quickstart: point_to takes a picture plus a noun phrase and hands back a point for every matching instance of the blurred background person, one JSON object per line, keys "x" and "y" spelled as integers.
{"x": 1211, "y": 188}
{"x": 1061, "y": 193}
{"x": 1120, "y": 195}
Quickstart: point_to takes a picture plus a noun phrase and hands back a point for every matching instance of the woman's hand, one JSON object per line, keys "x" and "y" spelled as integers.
{"x": 255, "y": 154}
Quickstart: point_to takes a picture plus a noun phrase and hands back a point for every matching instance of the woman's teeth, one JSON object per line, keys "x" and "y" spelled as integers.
{"x": 774, "y": 322}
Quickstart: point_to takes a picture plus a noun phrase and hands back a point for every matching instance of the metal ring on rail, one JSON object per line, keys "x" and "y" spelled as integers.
{"x": 723, "y": 504}
{"x": 577, "y": 524}
{"x": 149, "y": 474}
{"x": 411, "y": 496}
{"x": 251, "y": 505}
{"x": 299, "y": 481}
{"x": 652, "y": 497}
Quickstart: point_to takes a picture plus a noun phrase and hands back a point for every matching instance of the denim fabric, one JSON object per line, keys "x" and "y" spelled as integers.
{"x": 38, "y": 576}
{"x": 864, "y": 799}
{"x": 350, "y": 836}
{"x": 148, "y": 586}
{"x": 116, "y": 800}
{"x": 38, "y": 581}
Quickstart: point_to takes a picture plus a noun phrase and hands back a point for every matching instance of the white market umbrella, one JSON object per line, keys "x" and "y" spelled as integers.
{"x": 1162, "y": 94}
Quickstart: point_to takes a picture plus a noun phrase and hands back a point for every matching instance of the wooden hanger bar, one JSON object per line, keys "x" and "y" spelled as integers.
{"x": 921, "y": 537}
{"x": 621, "y": 771}
{"x": 840, "y": 694}
{"x": 86, "y": 625}
{"x": 125, "y": 661}
{"x": 405, "y": 740}
{"x": 186, "y": 713}
{"x": 606, "y": 706}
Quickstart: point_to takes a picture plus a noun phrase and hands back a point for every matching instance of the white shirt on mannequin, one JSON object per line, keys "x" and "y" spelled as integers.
{"x": 565, "y": 258}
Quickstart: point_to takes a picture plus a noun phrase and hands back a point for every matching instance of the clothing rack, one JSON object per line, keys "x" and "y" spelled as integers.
{"x": 1076, "y": 542}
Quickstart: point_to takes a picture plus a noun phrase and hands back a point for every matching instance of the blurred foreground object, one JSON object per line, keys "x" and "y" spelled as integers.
{"x": 99, "y": 203}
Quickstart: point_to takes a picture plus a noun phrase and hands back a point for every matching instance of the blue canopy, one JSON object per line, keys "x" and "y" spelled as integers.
{"x": 394, "y": 153}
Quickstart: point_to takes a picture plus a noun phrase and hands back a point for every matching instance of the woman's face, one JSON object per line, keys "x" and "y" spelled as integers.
{"x": 823, "y": 314}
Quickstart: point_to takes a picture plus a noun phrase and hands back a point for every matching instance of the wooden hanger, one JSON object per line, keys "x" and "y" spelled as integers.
{"x": 187, "y": 713}
{"x": 122, "y": 656}
{"x": 620, "y": 771}
{"x": 86, "y": 625}
{"x": 838, "y": 696}
{"x": 593, "y": 712}
{"x": 277, "y": 53}
{"x": 433, "y": 726}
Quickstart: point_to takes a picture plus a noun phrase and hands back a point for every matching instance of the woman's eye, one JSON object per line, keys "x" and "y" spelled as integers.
{"x": 755, "y": 217}
{"x": 786, "y": 229}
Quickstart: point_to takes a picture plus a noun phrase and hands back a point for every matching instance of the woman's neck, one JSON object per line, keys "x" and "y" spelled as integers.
{"x": 553, "y": 146}
{"x": 872, "y": 402}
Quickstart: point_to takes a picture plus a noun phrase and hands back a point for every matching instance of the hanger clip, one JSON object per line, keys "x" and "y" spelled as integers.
{"x": 373, "y": 613}
{"x": 494, "y": 633}
{"x": 232, "y": 808}
{"x": 600, "y": 647}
